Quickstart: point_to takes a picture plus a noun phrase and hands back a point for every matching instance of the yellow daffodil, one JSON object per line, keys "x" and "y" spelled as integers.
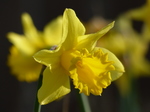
{"x": 20, "y": 59}
{"x": 91, "y": 68}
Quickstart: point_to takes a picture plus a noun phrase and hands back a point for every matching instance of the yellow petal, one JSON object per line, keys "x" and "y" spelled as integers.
{"x": 53, "y": 32}
{"x": 55, "y": 85}
{"x": 89, "y": 41}
{"x": 30, "y": 30}
{"x": 72, "y": 28}
{"x": 119, "y": 68}
{"x": 22, "y": 43}
{"x": 48, "y": 57}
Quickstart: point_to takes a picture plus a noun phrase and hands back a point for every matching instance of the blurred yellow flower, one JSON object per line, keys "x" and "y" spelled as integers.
{"x": 20, "y": 59}
{"x": 136, "y": 47}
{"x": 142, "y": 14}
{"x": 91, "y": 68}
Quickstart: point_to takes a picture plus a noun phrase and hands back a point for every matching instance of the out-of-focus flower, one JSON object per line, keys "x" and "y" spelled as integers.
{"x": 142, "y": 14}
{"x": 20, "y": 59}
{"x": 136, "y": 47}
{"x": 91, "y": 68}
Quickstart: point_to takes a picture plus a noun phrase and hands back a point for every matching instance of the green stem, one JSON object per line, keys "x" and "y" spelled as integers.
{"x": 84, "y": 103}
{"x": 37, "y": 106}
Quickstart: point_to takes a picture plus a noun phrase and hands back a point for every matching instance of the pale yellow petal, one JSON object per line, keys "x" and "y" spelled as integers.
{"x": 30, "y": 30}
{"x": 89, "y": 41}
{"x": 22, "y": 43}
{"x": 48, "y": 57}
{"x": 119, "y": 68}
{"x": 53, "y": 32}
{"x": 55, "y": 85}
{"x": 72, "y": 28}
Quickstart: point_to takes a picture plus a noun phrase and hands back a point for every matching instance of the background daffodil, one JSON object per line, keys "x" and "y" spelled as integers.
{"x": 91, "y": 68}
{"x": 20, "y": 59}
{"x": 142, "y": 14}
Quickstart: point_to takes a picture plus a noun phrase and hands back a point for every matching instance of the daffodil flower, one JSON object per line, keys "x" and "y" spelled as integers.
{"x": 24, "y": 46}
{"x": 90, "y": 68}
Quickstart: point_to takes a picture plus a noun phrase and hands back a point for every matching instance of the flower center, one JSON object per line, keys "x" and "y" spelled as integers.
{"x": 90, "y": 72}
